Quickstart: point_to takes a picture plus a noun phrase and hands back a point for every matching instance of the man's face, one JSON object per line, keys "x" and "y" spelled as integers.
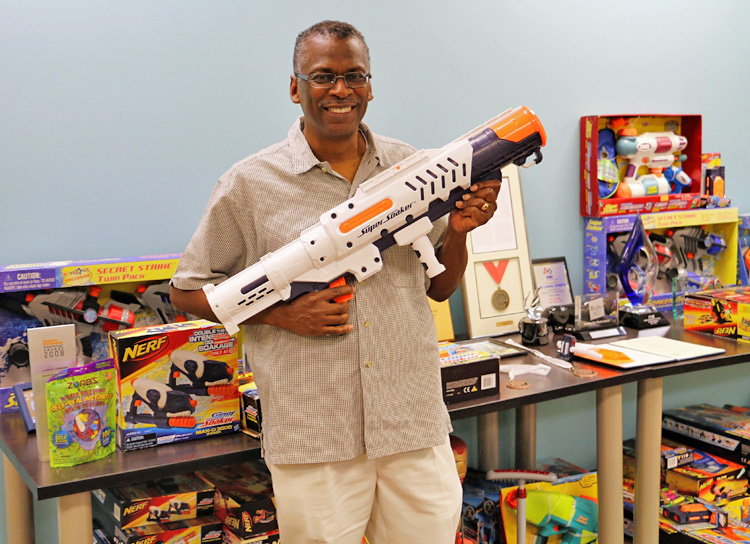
{"x": 335, "y": 113}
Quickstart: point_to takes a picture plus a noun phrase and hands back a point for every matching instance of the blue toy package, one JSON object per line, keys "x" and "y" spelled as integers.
{"x": 81, "y": 413}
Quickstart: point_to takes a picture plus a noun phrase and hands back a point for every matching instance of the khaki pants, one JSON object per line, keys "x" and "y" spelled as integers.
{"x": 408, "y": 498}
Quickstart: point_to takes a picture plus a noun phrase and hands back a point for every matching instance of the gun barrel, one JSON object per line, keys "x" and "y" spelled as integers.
{"x": 394, "y": 207}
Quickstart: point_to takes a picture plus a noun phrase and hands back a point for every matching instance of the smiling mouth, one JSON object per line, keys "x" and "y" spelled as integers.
{"x": 345, "y": 109}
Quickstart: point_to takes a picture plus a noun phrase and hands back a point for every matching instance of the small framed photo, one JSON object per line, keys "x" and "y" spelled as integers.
{"x": 553, "y": 281}
{"x": 25, "y": 399}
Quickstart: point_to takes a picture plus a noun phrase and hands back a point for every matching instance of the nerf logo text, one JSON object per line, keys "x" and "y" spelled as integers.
{"x": 145, "y": 348}
{"x": 725, "y": 331}
{"x": 133, "y": 508}
{"x": 148, "y": 540}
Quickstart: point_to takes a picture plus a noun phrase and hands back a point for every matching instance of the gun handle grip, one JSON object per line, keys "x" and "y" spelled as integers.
{"x": 337, "y": 283}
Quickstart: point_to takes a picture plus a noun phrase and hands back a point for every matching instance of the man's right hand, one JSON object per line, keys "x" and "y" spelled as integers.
{"x": 311, "y": 314}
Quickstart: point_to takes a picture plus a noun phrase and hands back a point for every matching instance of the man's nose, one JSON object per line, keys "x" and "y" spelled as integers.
{"x": 339, "y": 88}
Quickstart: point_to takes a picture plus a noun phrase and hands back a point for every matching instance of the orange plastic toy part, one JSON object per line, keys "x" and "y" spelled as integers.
{"x": 364, "y": 216}
{"x": 519, "y": 124}
{"x": 187, "y": 422}
{"x": 227, "y": 390}
{"x": 337, "y": 283}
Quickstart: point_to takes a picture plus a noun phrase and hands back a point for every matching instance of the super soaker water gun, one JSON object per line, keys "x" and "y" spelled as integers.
{"x": 657, "y": 151}
{"x": 398, "y": 206}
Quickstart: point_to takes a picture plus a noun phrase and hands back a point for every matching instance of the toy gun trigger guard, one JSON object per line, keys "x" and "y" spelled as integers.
{"x": 537, "y": 159}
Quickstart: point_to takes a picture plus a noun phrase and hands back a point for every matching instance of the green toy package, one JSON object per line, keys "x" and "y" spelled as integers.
{"x": 81, "y": 413}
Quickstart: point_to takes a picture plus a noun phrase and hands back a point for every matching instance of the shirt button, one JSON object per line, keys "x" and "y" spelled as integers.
{"x": 324, "y": 169}
{"x": 367, "y": 323}
{"x": 368, "y": 364}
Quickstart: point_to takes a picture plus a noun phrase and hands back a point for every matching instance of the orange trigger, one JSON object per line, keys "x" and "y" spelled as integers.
{"x": 337, "y": 283}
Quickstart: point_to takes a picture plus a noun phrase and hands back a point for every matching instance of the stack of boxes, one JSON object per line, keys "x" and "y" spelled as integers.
{"x": 176, "y": 508}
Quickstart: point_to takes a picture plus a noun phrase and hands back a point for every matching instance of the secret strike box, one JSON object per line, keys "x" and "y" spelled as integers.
{"x": 176, "y": 382}
{"x": 172, "y": 498}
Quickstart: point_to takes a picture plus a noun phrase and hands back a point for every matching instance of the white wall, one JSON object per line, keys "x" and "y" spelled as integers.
{"x": 116, "y": 118}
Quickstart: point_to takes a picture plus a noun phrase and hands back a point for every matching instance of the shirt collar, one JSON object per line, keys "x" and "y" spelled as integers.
{"x": 303, "y": 159}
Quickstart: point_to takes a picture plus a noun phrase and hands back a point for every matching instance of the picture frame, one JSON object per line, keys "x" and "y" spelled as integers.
{"x": 498, "y": 274}
{"x": 552, "y": 279}
{"x": 25, "y": 399}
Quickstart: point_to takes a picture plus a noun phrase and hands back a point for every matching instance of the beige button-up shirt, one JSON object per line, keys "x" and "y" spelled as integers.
{"x": 375, "y": 390}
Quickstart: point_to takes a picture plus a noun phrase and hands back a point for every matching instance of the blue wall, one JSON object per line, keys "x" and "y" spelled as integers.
{"x": 116, "y": 119}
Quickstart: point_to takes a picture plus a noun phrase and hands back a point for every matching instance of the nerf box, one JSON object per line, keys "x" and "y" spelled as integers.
{"x": 617, "y": 152}
{"x": 672, "y": 456}
{"x": 263, "y": 538}
{"x": 721, "y": 312}
{"x": 168, "y": 499}
{"x": 176, "y": 382}
{"x": 467, "y": 373}
{"x": 722, "y": 431}
{"x": 244, "y": 498}
{"x": 700, "y": 245}
{"x": 84, "y": 293}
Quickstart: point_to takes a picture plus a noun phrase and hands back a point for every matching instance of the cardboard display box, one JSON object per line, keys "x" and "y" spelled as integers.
{"x": 603, "y": 235}
{"x": 244, "y": 498}
{"x": 721, "y": 431}
{"x": 175, "y": 382}
{"x": 721, "y": 312}
{"x": 591, "y": 205}
{"x": 467, "y": 373}
{"x": 263, "y": 538}
{"x": 84, "y": 293}
{"x": 168, "y": 499}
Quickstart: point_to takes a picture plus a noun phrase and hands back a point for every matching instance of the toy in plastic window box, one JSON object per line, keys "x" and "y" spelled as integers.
{"x": 639, "y": 164}
{"x": 176, "y": 382}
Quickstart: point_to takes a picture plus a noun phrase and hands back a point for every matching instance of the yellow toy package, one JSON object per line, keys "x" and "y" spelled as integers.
{"x": 176, "y": 382}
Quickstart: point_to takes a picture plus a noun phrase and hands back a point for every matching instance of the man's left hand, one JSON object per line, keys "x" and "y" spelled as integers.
{"x": 477, "y": 207}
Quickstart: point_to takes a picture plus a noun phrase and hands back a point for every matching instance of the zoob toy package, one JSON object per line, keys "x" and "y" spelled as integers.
{"x": 81, "y": 414}
{"x": 175, "y": 382}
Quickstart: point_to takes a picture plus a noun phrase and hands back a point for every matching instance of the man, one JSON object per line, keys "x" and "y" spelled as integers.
{"x": 355, "y": 432}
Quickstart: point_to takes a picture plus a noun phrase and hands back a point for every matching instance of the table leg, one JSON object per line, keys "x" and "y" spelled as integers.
{"x": 488, "y": 436}
{"x": 609, "y": 462}
{"x": 19, "y": 507}
{"x": 74, "y": 519}
{"x": 648, "y": 455}
{"x": 526, "y": 437}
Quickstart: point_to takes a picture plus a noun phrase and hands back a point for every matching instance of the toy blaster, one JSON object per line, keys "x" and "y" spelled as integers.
{"x": 207, "y": 377}
{"x": 167, "y": 407}
{"x": 656, "y": 150}
{"x": 573, "y": 518}
{"x": 77, "y": 305}
{"x": 156, "y": 297}
{"x": 398, "y": 206}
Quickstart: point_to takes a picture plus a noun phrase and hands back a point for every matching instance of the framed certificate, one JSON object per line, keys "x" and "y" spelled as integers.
{"x": 552, "y": 279}
{"x": 498, "y": 275}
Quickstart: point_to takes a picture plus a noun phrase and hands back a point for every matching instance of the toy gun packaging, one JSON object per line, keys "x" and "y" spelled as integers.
{"x": 398, "y": 206}
{"x": 175, "y": 382}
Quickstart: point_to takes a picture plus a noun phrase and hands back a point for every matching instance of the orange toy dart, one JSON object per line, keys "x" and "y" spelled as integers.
{"x": 398, "y": 206}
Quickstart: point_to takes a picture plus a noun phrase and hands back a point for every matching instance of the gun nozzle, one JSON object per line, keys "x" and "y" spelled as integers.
{"x": 519, "y": 124}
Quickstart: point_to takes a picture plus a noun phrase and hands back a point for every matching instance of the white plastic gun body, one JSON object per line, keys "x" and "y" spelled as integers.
{"x": 398, "y": 206}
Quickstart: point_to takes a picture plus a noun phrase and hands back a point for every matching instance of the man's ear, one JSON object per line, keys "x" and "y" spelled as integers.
{"x": 294, "y": 89}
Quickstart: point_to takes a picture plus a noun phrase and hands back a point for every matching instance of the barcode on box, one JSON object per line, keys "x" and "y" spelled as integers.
{"x": 488, "y": 381}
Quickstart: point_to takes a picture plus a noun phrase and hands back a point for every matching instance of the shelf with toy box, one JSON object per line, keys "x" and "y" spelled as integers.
{"x": 95, "y": 295}
{"x": 698, "y": 244}
{"x": 620, "y": 150}
{"x": 743, "y": 249}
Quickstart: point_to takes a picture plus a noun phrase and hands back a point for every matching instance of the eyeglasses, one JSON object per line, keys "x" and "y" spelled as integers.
{"x": 353, "y": 80}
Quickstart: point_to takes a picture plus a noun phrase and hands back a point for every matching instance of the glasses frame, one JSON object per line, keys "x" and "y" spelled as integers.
{"x": 336, "y": 77}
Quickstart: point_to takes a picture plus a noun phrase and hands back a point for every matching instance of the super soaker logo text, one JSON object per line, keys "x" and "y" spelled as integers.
{"x": 391, "y": 215}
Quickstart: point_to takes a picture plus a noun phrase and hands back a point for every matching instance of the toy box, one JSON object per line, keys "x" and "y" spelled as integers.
{"x": 683, "y": 250}
{"x": 467, "y": 373}
{"x": 244, "y": 498}
{"x": 598, "y": 153}
{"x": 671, "y": 457}
{"x": 743, "y": 249}
{"x": 172, "y": 498}
{"x": 721, "y": 312}
{"x": 263, "y": 538}
{"x": 96, "y": 296}
{"x": 721, "y": 431}
{"x": 250, "y": 414}
{"x": 567, "y": 509}
{"x": 189, "y": 531}
{"x": 175, "y": 382}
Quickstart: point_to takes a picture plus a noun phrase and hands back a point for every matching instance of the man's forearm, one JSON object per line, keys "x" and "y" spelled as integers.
{"x": 454, "y": 256}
